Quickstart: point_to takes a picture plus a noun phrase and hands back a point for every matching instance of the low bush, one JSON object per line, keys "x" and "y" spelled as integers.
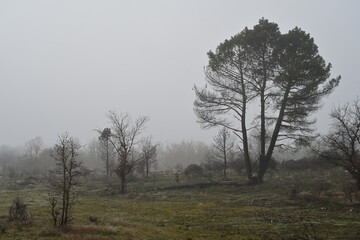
{"x": 18, "y": 212}
{"x": 2, "y": 229}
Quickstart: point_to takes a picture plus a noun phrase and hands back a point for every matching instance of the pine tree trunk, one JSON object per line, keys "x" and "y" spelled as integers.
{"x": 224, "y": 153}
{"x": 262, "y": 122}
{"x": 262, "y": 135}
{"x": 244, "y": 131}
{"x": 265, "y": 163}
{"x": 107, "y": 159}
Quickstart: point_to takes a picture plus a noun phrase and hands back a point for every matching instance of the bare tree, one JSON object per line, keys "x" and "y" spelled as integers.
{"x": 124, "y": 137}
{"x": 148, "y": 151}
{"x": 33, "y": 147}
{"x": 223, "y": 149}
{"x": 66, "y": 176}
{"x": 214, "y": 167}
{"x": 342, "y": 143}
{"x": 7, "y": 159}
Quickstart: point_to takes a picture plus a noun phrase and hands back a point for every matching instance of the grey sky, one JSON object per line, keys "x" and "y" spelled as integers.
{"x": 65, "y": 64}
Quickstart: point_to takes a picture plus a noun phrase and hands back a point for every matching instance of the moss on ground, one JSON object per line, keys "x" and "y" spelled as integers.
{"x": 217, "y": 212}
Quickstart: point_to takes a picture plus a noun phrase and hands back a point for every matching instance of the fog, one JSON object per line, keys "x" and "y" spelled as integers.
{"x": 104, "y": 106}
{"x": 65, "y": 64}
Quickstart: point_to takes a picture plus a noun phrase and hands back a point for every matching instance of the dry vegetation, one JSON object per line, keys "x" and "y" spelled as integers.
{"x": 290, "y": 205}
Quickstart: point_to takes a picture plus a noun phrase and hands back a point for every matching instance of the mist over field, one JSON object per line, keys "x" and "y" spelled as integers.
{"x": 65, "y": 64}
{"x": 174, "y": 119}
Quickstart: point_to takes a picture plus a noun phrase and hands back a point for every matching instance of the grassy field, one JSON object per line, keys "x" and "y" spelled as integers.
{"x": 266, "y": 211}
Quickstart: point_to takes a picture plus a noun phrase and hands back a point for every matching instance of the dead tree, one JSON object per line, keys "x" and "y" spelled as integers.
{"x": 213, "y": 166}
{"x": 33, "y": 147}
{"x": 124, "y": 137}
{"x": 341, "y": 145}
{"x": 223, "y": 149}
{"x": 65, "y": 177}
{"x": 148, "y": 151}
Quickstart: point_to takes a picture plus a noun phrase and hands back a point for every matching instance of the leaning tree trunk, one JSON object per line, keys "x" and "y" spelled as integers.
{"x": 265, "y": 164}
{"x": 262, "y": 130}
{"x": 262, "y": 160}
{"x": 225, "y": 160}
{"x": 245, "y": 137}
{"x": 246, "y": 148}
{"x": 107, "y": 159}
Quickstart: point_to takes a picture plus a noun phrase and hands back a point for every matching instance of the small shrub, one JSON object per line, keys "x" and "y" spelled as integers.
{"x": 2, "y": 229}
{"x": 307, "y": 229}
{"x": 294, "y": 191}
{"x": 18, "y": 211}
{"x": 193, "y": 170}
{"x": 110, "y": 190}
{"x": 349, "y": 190}
{"x": 93, "y": 219}
{"x": 321, "y": 186}
{"x": 310, "y": 230}
{"x": 54, "y": 210}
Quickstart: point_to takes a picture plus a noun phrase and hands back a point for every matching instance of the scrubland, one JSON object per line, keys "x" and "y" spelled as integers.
{"x": 310, "y": 204}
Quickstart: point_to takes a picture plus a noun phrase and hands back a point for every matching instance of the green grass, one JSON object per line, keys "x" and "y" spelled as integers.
{"x": 217, "y": 212}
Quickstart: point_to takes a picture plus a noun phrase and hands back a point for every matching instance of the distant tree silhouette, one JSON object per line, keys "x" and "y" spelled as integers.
{"x": 124, "y": 137}
{"x": 148, "y": 152}
{"x": 33, "y": 147}
{"x": 341, "y": 145}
